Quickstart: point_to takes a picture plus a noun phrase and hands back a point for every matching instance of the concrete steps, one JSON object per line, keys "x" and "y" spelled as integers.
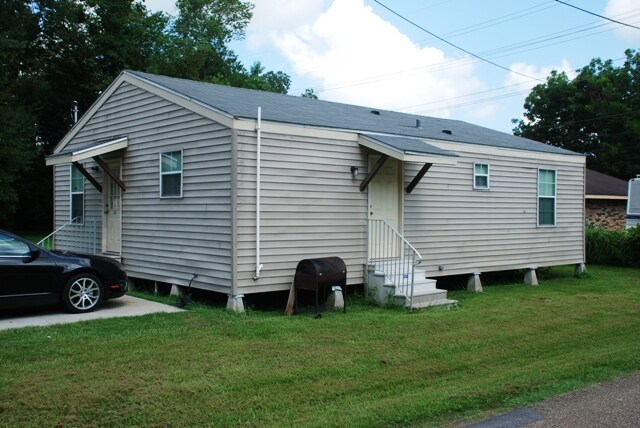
{"x": 383, "y": 277}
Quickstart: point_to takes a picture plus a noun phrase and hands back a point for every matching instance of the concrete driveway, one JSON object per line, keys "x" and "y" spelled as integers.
{"x": 125, "y": 306}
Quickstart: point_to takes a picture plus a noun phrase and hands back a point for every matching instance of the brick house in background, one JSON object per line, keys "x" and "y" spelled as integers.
{"x": 605, "y": 200}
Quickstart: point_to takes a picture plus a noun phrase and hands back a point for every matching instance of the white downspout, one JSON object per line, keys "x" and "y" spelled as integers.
{"x": 259, "y": 135}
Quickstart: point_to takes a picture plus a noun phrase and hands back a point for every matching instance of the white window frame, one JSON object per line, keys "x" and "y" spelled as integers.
{"x": 488, "y": 175}
{"x": 162, "y": 174}
{"x": 554, "y": 197}
{"x": 72, "y": 193}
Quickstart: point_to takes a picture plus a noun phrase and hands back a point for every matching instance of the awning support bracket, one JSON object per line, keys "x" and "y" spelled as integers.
{"x": 418, "y": 177}
{"x": 109, "y": 172}
{"x": 88, "y": 176}
{"x": 376, "y": 168}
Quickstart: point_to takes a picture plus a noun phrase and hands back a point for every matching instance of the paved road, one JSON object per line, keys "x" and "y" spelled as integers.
{"x": 125, "y": 306}
{"x": 610, "y": 404}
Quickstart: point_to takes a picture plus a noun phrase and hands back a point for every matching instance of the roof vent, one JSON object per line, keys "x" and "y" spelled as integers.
{"x": 376, "y": 112}
{"x": 418, "y": 123}
{"x": 446, "y": 131}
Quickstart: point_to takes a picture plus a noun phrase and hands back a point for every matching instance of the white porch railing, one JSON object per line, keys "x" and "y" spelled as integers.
{"x": 74, "y": 236}
{"x": 392, "y": 254}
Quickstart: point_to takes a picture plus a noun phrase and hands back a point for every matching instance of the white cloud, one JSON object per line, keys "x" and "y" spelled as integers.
{"x": 520, "y": 82}
{"x": 352, "y": 55}
{"x": 278, "y": 16}
{"x": 624, "y": 11}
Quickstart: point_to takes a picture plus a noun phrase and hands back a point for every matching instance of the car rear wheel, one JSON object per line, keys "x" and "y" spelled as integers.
{"x": 82, "y": 293}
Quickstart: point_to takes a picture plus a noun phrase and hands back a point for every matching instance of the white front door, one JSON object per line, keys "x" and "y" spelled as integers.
{"x": 385, "y": 203}
{"x": 112, "y": 219}
{"x": 384, "y": 192}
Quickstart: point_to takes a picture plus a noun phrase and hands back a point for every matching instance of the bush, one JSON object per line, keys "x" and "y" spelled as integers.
{"x": 610, "y": 247}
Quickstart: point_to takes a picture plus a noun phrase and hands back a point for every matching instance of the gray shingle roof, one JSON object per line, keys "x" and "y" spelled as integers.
{"x": 601, "y": 184}
{"x": 244, "y": 103}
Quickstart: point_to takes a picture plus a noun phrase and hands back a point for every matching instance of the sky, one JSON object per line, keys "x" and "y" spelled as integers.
{"x": 359, "y": 52}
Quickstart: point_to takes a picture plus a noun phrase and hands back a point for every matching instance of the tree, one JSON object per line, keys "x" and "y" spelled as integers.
{"x": 196, "y": 41}
{"x": 18, "y": 153}
{"x": 597, "y": 113}
{"x": 55, "y": 52}
{"x": 270, "y": 81}
{"x": 309, "y": 93}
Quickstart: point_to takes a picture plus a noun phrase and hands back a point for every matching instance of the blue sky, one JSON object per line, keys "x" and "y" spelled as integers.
{"x": 357, "y": 52}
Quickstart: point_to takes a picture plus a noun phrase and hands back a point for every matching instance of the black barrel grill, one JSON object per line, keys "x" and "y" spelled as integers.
{"x": 320, "y": 274}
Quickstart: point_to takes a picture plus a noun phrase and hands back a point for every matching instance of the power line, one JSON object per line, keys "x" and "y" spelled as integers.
{"x": 473, "y": 102}
{"x": 495, "y": 53}
{"x": 501, "y": 52}
{"x": 599, "y": 16}
{"x": 443, "y": 100}
{"x": 476, "y": 101}
{"x": 454, "y": 45}
{"x": 495, "y": 21}
{"x": 591, "y": 119}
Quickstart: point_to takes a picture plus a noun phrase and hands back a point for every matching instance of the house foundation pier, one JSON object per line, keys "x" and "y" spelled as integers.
{"x": 335, "y": 300}
{"x": 235, "y": 303}
{"x": 474, "y": 284}
{"x": 176, "y": 290}
{"x": 530, "y": 277}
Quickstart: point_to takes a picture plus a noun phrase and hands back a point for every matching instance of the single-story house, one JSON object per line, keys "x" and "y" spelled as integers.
{"x": 606, "y": 200}
{"x": 176, "y": 178}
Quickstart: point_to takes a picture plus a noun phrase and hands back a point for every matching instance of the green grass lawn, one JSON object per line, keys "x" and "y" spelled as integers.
{"x": 506, "y": 347}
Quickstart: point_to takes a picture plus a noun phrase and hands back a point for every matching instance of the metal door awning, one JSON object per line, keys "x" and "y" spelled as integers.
{"x": 406, "y": 150}
{"x": 91, "y": 151}
{"x": 78, "y": 154}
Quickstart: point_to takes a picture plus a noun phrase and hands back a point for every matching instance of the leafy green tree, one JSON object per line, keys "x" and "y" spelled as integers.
{"x": 196, "y": 41}
{"x": 18, "y": 151}
{"x": 270, "y": 81}
{"x": 55, "y": 52}
{"x": 309, "y": 93}
{"x": 596, "y": 113}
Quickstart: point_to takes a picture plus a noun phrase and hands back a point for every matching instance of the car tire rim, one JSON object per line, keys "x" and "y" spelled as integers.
{"x": 84, "y": 293}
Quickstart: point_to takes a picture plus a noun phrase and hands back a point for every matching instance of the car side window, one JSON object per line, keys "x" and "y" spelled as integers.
{"x": 10, "y": 247}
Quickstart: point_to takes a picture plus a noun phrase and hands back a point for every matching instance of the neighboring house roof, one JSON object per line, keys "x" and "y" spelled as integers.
{"x": 603, "y": 186}
{"x": 243, "y": 103}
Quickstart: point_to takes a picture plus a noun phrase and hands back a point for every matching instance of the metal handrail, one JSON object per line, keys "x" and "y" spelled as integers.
{"x": 75, "y": 236}
{"x": 392, "y": 254}
{"x": 52, "y": 235}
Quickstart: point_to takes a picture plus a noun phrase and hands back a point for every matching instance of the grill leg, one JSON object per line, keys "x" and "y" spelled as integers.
{"x": 318, "y": 314}
{"x": 344, "y": 297}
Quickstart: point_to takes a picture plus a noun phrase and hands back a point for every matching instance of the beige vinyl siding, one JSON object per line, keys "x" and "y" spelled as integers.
{"x": 167, "y": 239}
{"x": 466, "y": 230}
{"x": 310, "y": 207}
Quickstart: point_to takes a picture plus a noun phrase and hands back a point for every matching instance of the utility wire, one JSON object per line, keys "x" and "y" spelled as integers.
{"x": 493, "y": 22}
{"x": 456, "y": 46}
{"x": 529, "y": 45}
{"x": 595, "y": 14}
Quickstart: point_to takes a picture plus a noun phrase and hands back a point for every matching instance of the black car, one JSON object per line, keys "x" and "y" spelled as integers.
{"x": 30, "y": 276}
